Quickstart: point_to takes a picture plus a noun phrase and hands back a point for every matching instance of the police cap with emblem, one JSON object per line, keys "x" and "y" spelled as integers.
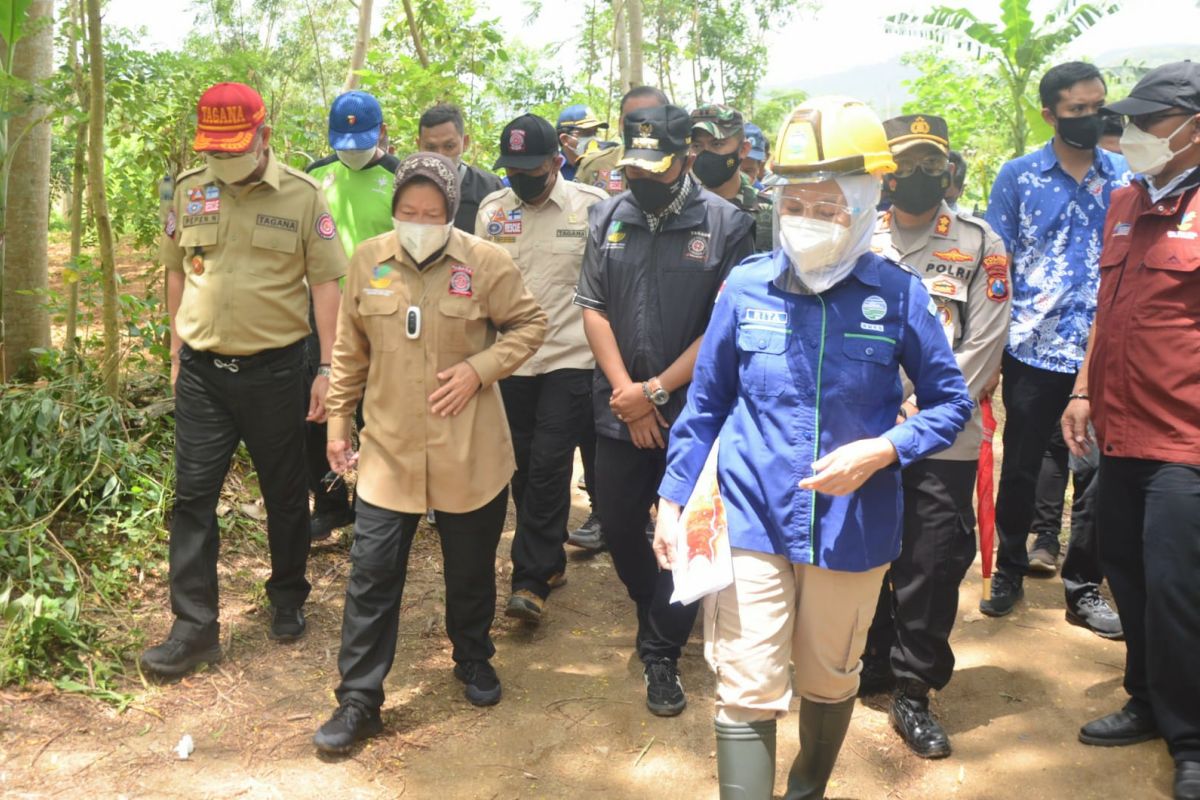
{"x": 654, "y": 136}
{"x": 913, "y": 129}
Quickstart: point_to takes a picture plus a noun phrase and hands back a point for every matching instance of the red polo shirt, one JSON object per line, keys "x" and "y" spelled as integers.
{"x": 1144, "y": 374}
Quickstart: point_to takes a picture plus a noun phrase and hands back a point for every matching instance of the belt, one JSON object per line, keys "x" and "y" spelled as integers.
{"x": 237, "y": 364}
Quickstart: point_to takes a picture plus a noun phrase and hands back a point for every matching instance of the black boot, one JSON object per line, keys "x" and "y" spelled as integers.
{"x": 823, "y": 727}
{"x": 746, "y": 759}
{"x": 912, "y": 719}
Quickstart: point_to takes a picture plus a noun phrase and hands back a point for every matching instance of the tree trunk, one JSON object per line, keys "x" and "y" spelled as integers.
{"x": 416, "y": 33}
{"x": 636, "y": 76}
{"x": 621, "y": 43}
{"x": 108, "y": 269}
{"x": 71, "y": 274}
{"x": 359, "y": 57}
{"x": 27, "y": 211}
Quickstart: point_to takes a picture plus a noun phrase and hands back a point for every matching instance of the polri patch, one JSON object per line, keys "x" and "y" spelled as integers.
{"x": 281, "y": 223}
{"x": 325, "y": 227}
{"x": 460, "y": 280}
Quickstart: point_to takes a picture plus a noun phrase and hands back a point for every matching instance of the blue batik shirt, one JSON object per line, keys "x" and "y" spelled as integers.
{"x": 785, "y": 378}
{"x": 1053, "y": 228}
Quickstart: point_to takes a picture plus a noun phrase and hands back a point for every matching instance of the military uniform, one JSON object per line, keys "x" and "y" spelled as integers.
{"x": 964, "y": 266}
{"x": 599, "y": 168}
{"x": 760, "y": 206}
{"x": 247, "y": 255}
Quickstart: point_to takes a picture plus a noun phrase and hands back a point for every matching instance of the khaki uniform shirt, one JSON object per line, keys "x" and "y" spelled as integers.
{"x": 410, "y": 459}
{"x": 963, "y": 264}
{"x": 599, "y": 168}
{"x": 547, "y": 243}
{"x": 249, "y": 254}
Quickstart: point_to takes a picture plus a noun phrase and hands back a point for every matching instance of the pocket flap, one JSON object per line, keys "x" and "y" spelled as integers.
{"x": 460, "y": 307}
{"x": 280, "y": 241}
{"x": 198, "y": 236}
{"x": 877, "y": 349}
{"x": 372, "y": 305}
{"x": 1174, "y": 255}
{"x": 760, "y": 339}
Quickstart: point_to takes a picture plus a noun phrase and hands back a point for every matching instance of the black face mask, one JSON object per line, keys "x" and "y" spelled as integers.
{"x": 713, "y": 169}
{"x": 1081, "y": 133}
{"x": 653, "y": 196}
{"x": 917, "y": 193}
{"x": 528, "y": 187}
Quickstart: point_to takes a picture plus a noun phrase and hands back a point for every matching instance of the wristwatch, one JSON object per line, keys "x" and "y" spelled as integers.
{"x": 658, "y": 395}
{"x": 324, "y": 371}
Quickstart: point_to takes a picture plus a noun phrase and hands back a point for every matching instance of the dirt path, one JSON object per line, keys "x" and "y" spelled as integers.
{"x": 572, "y": 723}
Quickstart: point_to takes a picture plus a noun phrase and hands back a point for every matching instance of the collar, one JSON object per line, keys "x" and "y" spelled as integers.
{"x": 271, "y": 173}
{"x": 1048, "y": 159}
{"x": 941, "y": 227}
{"x": 689, "y": 216}
{"x": 866, "y": 272}
{"x": 458, "y": 248}
{"x": 1176, "y": 186}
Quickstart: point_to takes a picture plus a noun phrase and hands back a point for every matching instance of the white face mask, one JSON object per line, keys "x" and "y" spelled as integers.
{"x": 356, "y": 159}
{"x": 1146, "y": 153}
{"x": 420, "y": 240}
{"x": 816, "y": 248}
{"x": 234, "y": 169}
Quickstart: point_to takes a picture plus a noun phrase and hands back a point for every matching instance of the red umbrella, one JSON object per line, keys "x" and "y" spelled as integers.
{"x": 985, "y": 496}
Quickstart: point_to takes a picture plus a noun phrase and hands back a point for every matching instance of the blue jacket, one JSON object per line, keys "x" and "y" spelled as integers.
{"x": 785, "y": 378}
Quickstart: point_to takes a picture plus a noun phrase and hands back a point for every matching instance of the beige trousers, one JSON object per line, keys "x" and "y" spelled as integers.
{"x": 777, "y": 612}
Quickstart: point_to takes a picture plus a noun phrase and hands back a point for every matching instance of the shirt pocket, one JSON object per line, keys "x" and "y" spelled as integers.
{"x": 569, "y": 245}
{"x": 462, "y": 327}
{"x": 870, "y": 367}
{"x": 382, "y": 320}
{"x": 1169, "y": 296}
{"x": 270, "y": 247}
{"x": 764, "y": 371}
{"x": 202, "y": 238}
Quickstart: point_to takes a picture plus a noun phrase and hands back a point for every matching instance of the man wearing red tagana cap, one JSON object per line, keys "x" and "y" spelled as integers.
{"x": 244, "y": 241}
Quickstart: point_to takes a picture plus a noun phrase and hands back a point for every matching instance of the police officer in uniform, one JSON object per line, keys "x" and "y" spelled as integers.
{"x": 964, "y": 266}
{"x": 357, "y": 181}
{"x": 245, "y": 240}
{"x": 600, "y": 167}
{"x": 719, "y": 144}
{"x": 655, "y": 258}
{"x": 541, "y": 221}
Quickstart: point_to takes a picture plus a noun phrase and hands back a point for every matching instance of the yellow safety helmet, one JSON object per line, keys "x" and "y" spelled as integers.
{"x": 828, "y": 137}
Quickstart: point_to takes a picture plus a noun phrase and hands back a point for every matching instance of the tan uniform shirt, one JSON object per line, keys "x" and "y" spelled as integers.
{"x": 249, "y": 254}
{"x": 599, "y": 168}
{"x": 411, "y": 460}
{"x": 964, "y": 266}
{"x": 547, "y": 244}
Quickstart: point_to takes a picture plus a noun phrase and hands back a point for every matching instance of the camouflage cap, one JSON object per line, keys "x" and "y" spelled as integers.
{"x": 719, "y": 121}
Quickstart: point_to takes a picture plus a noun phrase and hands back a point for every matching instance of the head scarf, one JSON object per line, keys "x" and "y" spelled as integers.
{"x": 436, "y": 168}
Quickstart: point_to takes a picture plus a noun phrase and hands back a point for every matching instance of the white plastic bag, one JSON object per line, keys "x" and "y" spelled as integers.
{"x": 702, "y": 563}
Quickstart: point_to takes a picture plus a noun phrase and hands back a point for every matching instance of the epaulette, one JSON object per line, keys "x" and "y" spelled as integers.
{"x": 304, "y": 176}
{"x": 189, "y": 172}
{"x": 901, "y": 265}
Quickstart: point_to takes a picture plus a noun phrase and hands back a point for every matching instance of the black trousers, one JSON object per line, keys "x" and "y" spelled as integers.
{"x": 1051, "y": 488}
{"x": 1149, "y": 529}
{"x": 587, "y": 454}
{"x": 627, "y": 481}
{"x": 919, "y": 598}
{"x": 379, "y": 565}
{"x": 1034, "y": 401}
{"x": 262, "y": 404}
{"x": 545, "y": 414}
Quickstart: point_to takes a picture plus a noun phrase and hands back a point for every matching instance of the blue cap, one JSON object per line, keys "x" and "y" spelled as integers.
{"x": 354, "y": 120}
{"x": 579, "y": 116}
{"x": 758, "y": 142}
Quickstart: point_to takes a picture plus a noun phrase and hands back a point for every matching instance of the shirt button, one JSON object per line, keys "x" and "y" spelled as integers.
{"x": 762, "y": 341}
{"x": 1108, "y": 448}
{"x": 870, "y": 351}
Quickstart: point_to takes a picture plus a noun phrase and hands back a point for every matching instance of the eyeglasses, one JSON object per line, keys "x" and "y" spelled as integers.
{"x": 930, "y": 165}
{"x": 815, "y": 209}
{"x": 1147, "y": 121}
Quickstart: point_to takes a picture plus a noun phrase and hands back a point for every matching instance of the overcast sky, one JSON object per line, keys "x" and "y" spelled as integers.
{"x": 841, "y": 36}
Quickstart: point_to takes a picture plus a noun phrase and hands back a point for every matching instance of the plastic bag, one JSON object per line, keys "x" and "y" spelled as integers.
{"x": 702, "y": 563}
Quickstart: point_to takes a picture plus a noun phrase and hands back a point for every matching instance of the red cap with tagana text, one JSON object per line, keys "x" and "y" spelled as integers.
{"x": 227, "y": 117}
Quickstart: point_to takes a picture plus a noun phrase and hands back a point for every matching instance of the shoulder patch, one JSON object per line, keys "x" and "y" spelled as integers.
{"x": 326, "y": 228}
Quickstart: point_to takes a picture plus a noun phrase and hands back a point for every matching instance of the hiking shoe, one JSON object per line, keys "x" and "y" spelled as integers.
{"x": 288, "y": 625}
{"x": 175, "y": 657}
{"x": 483, "y": 686}
{"x": 322, "y": 524}
{"x": 664, "y": 690}
{"x": 1093, "y": 612}
{"x": 556, "y": 580}
{"x": 524, "y": 604}
{"x": 588, "y": 536}
{"x": 1007, "y": 591}
{"x": 1043, "y": 556}
{"x": 915, "y": 723}
{"x": 349, "y": 724}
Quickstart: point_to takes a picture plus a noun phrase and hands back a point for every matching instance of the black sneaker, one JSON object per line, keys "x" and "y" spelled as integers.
{"x": 175, "y": 657}
{"x": 876, "y": 676}
{"x": 1043, "y": 556}
{"x": 915, "y": 723}
{"x": 322, "y": 524}
{"x": 588, "y": 536}
{"x": 483, "y": 686}
{"x": 524, "y": 604}
{"x": 1090, "y": 610}
{"x": 1007, "y": 591}
{"x": 288, "y": 625}
{"x": 664, "y": 690}
{"x": 349, "y": 724}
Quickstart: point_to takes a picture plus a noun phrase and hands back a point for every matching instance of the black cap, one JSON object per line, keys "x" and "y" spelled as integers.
{"x": 526, "y": 143}
{"x": 912, "y": 129}
{"x": 1175, "y": 85}
{"x": 654, "y": 135}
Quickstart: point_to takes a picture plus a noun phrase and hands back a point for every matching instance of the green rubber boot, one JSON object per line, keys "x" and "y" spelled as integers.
{"x": 746, "y": 759}
{"x": 823, "y": 727}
